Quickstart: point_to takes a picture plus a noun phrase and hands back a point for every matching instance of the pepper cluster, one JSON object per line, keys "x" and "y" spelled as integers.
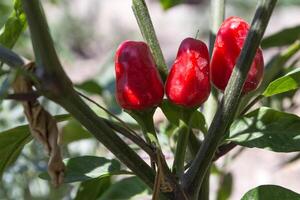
{"x": 139, "y": 86}
{"x": 140, "y": 89}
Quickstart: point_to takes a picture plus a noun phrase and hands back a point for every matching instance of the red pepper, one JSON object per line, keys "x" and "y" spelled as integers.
{"x": 188, "y": 82}
{"x": 229, "y": 42}
{"x": 138, "y": 83}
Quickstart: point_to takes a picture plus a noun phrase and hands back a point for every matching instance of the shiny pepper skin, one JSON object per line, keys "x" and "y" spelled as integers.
{"x": 188, "y": 82}
{"x": 227, "y": 48}
{"x": 138, "y": 83}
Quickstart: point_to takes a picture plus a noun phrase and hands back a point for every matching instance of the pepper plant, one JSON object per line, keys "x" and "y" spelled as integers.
{"x": 230, "y": 69}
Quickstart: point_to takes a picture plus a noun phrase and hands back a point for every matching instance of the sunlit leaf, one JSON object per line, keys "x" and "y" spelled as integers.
{"x": 267, "y": 129}
{"x": 271, "y": 192}
{"x": 289, "y": 82}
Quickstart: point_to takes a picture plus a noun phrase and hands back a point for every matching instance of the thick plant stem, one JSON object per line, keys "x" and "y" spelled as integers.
{"x": 182, "y": 132}
{"x": 49, "y": 68}
{"x": 144, "y": 21}
{"x": 228, "y": 107}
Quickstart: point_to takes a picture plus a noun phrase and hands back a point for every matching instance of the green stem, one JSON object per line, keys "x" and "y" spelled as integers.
{"x": 217, "y": 8}
{"x": 49, "y": 68}
{"x": 194, "y": 146}
{"x": 182, "y": 132}
{"x": 10, "y": 58}
{"x": 145, "y": 24}
{"x": 228, "y": 107}
{"x": 77, "y": 108}
{"x": 204, "y": 190}
{"x": 145, "y": 120}
{"x": 210, "y": 107}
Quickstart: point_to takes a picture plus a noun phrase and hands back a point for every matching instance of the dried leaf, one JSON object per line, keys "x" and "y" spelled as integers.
{"x": 43, "y": 127}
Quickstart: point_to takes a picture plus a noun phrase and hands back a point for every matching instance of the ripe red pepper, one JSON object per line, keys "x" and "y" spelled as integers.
{"x": 228, "y": 45}
{"x": 188, "y": 82}
{"x": 138, "y": 83}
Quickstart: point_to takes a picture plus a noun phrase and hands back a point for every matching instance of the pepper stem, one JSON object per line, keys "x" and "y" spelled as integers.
{"x": 145, "y": 120}
{"x": 182, "y": 131}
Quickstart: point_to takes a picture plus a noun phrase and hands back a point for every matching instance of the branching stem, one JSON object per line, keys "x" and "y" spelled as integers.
{"x": 229, "y": 104}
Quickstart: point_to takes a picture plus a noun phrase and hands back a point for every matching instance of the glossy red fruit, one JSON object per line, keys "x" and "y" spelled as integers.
{"x": 188, "y": 82}
{"x": 138, "y": 84}
{"x": 227, "y": 48}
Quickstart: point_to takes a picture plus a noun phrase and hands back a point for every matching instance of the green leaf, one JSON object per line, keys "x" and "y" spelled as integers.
{"x": 13, "y": 27}
{"x": 172, "y": 113}
{"x": 126, "y": 189}
{"x": 198, "y": 122}
{"x": 271, "y": 192}
{"x": 12, "y": 142}
{"x": 93, "y": 189}
{"x": 166, "y": 4}
{"x": 90, "y": 86}
{"x": 281, "y": 38}
{"x": 73, "y": 131}
{"x": 62, "y": 117}
{"x": 88, "y": 167}
{"x": 225, "y": 187}
{"x": 269, "y": 129}
{"x": 290, "y": 81}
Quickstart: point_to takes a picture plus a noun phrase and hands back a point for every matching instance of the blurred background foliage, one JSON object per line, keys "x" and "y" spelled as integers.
{"x": 86, "y": 34}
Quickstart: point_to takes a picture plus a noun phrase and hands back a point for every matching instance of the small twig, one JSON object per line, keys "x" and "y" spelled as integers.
{"x": 28, "y": 96}
{"x": 197, "y": 34}
{"x": 109, "y": 113}
{"x": 125, "y": 130}
{"x": 136, "y": 139}
{"x": 224, "y": 149}
{"x": 252, "y": 103}
{"x": 10, "y": 58}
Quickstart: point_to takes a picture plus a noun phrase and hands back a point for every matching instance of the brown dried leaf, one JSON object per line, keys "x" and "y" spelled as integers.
{"x": 43, "y": 127}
